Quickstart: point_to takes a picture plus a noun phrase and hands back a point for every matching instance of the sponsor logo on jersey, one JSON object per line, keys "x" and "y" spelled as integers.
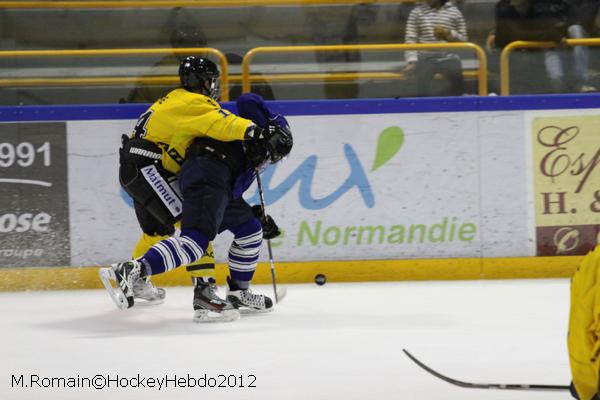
{"x": 163, "y": 190}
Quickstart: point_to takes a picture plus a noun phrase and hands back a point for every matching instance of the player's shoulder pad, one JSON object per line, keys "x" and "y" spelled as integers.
{"x": 194, "y": 99}
{"x": 211, "y": 102}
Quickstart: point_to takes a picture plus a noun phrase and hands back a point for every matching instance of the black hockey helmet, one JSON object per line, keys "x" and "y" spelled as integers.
{"x": 280, "y": 143}
{"x": 200, "y": 75}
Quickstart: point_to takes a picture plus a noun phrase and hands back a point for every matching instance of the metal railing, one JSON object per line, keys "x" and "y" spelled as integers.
{"x": 82, "y": 4}
{"x": 79, "y": 81}
{"x": 506, "y": 52}
{"x": 247, "y": 77}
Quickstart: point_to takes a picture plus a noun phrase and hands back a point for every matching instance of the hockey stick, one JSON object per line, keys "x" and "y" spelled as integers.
{"x": 471, "y": 385}
{"x": 282, "y": 291}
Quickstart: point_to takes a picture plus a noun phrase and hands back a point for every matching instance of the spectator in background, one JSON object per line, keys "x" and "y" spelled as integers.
{"x": 434, "y": 22}
{"x": 545, "y": 20}
{"x": 332, "y": 26}
{"x": 581, "y": 25}
{"x": 182, "y": 32}
{"x": 584, "y": 13}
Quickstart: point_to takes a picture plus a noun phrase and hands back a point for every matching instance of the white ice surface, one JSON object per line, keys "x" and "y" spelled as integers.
{"x": 337, "y": 341}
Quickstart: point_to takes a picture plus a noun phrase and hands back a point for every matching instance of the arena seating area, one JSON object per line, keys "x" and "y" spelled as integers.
{"x": 234, "y": 28}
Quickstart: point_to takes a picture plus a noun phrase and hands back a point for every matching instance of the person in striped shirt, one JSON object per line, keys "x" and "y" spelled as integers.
{"x": 435, "y": 21}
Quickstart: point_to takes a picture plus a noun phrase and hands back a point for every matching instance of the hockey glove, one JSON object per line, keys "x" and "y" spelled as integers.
{"x": 269, "y": 227}
{"x": 276, "y": 140}
{"x": 256, "y": 152}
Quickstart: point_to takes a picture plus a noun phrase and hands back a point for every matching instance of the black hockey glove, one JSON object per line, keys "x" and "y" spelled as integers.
{"x": 269, "y": 227}
{"x": 256, "y": 152}
{"x": 277, "y": 142}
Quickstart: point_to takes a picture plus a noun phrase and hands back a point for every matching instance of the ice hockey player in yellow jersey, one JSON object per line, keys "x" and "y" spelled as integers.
{"x": 584, "y": 328}
{"x": 188, "y": 159}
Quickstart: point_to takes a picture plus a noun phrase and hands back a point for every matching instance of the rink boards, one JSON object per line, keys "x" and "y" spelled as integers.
{"x": 374, "y": 189}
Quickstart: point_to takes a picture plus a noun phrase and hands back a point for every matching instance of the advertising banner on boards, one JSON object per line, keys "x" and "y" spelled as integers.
{"x": 566, "y": 165}
{"x": 411, "y": 185}
{"x": 366, "y": 180}
{"x": 34, "y": 202}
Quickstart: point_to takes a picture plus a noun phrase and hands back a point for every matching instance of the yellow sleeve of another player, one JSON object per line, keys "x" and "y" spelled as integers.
{"x": 584, "y": 326}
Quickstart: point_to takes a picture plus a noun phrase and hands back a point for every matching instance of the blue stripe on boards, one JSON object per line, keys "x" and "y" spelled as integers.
{"x": 318, "y": 107}
{"x": 71, "y": 112}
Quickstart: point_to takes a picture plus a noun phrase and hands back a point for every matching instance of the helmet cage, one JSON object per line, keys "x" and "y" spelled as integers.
{"x": 280, "y": 144}
{"x": 212, "y": 87}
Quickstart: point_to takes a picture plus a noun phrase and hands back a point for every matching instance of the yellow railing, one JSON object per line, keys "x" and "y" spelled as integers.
{"x": 506, "y": 52}
{"x": 74, "y": 4}
{"x": 91, "y": 81}
{"x": 113, "y": 80}
{"x": 173, "y": 80}
{"x": 247, "y": 78}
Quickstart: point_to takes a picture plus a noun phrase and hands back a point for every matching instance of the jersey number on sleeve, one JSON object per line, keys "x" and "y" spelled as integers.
{"x": 140, "y": 127}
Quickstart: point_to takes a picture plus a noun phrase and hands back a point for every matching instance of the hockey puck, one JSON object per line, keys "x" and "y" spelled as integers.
{"x": 320, "y": 279}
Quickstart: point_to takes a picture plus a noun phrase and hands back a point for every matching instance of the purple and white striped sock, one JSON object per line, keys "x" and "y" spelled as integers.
{"x": 244, "y": 251}
{"x": 170, "y": 253}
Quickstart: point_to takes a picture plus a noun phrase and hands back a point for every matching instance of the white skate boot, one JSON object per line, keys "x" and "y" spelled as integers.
{"x": 144, "y": 289}
{"x": 246, "y": 301}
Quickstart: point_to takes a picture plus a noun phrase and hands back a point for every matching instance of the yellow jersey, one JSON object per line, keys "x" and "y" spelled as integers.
{"x": 584, "y": 326}
{"x": 175, "y": 120}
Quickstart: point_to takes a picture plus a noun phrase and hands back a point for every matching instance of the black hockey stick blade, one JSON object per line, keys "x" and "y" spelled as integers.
{"x": 471, "y": 385}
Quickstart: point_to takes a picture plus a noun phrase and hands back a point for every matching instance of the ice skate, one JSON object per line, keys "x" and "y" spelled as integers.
{"x": 246, "y": 301}
{"x": 208, "y": 307}
{"x": 124, "y": 275}
{"x": 144, "y": 289}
